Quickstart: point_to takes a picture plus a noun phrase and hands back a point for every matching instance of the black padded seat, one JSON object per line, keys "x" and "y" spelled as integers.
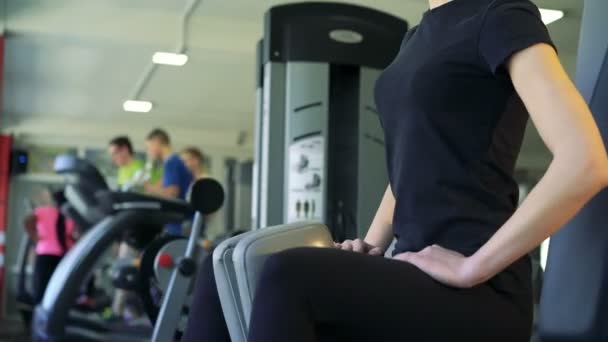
{"x": 83, "y": 181}
{"x": 82, "y": 170}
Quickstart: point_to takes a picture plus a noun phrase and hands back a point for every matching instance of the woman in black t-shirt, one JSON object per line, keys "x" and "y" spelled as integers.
{"x": 453, "y": 107}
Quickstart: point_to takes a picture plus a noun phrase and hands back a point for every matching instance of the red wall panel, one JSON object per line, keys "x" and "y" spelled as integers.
{"x": 1, "y": 74}
{"x": 5, "y": 155}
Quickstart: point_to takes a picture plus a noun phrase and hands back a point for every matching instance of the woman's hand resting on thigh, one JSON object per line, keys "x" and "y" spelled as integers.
{"x": 444, "y": 265}
{"x": 359, "y": 246}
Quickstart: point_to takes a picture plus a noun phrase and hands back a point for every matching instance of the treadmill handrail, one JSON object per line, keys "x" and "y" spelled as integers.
{"x": 114, "y": 201}
{"x": 136, "y": 205}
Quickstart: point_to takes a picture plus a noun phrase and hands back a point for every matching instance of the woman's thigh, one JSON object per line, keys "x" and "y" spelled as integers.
{"x": 359, "y": 297}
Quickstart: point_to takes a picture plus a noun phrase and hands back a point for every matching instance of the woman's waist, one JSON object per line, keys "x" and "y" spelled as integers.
{"x": 464, "y": 234}
{"x": 48, "y": 247}
{"x": 467, "y": 239}
{"x": 516, "y": 279}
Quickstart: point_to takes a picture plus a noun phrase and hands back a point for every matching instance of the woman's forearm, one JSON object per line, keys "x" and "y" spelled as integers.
{"x": 571, "y": 180}
{"x": 30, "y": 227}
{"x": 380, "y": 233}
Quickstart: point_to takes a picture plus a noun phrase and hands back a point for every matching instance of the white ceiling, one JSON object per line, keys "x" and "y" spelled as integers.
{"x": 70, "y": 64}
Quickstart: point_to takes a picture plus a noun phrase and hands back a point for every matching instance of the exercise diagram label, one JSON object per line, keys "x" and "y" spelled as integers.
{"x": 306, "y": 180}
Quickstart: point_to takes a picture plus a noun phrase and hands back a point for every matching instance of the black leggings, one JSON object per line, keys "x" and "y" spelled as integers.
{"x": 44, "y": 267}
{"x": 311, "y": 294}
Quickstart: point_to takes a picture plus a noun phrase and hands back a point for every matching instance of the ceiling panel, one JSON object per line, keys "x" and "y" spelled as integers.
{"x": 76, "y": 61}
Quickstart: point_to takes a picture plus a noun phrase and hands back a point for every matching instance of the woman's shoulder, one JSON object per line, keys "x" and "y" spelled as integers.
{"x": 511, "y": 6}
{"x": 481, "y": 9}
{"x": 46, "y": 214}
{"x": 494, "y": 3}
{"x": 46, "y": 210}
{"x": 473, "y": 14}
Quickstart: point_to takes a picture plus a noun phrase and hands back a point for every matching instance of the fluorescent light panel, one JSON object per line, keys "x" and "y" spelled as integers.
{"x": 169, "y": 58}
{"x": 137, "y": 106}
{"x": 550, "y": 16}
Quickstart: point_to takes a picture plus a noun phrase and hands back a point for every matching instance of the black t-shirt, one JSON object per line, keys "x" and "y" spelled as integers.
{"x": 454, "y": 124}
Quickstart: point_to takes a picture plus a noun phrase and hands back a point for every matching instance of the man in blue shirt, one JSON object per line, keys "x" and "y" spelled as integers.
{"x": 176, "y": 177}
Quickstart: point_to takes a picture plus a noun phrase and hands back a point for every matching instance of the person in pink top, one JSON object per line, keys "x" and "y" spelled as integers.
{"x": 52, "y": 232}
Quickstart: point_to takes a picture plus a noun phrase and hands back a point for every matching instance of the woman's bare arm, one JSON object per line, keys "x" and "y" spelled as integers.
{"x": 29, "y": 224}
{"x": 578, "y": 171}
{"x": 380, "y": 233}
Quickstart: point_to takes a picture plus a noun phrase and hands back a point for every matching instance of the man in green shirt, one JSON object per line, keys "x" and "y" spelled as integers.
{"x": 130, "y": 171}
{"x": 123, "y": 156}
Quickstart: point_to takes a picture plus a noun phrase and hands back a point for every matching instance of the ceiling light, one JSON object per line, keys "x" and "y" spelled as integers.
{"x": 168, "y": 58}
{"x": 549, "y": 16}
{"x": 137, "y": 106}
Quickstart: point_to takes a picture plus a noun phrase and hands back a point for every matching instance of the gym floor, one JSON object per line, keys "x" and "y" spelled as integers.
{"x": 12, "y": 331}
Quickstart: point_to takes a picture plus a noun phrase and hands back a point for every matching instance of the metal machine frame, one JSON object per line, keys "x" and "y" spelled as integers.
{"x": 125, "y": 212}
{"x": 316, "y": 99}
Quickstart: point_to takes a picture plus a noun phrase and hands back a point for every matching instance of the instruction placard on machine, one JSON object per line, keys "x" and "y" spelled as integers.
{"x": 306, "y": 178}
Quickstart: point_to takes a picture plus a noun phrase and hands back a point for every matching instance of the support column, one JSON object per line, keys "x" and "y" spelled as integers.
{"x": 5, "y": 155}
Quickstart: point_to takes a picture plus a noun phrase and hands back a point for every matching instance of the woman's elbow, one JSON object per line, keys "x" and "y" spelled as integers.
{"x": 587, "y": 164}
{"x": 596, "y": 169}
{"x": 604, "y": 172}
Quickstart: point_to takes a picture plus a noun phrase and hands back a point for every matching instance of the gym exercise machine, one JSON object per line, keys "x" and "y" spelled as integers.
{"x": 127, "y": 212}
{"x": 319, "y": 145}
{"x": 238, "y": 195}
{"x": 80, "y": 210}
{"x": 25, "y": 300}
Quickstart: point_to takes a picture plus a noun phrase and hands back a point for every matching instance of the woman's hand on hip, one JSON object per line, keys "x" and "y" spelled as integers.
{"x": 446, "y": 266}
{"x": 359, "y": 246}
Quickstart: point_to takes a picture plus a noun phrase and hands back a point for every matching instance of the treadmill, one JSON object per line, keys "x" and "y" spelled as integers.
{"x": 25, "y": 300}
{"x": 80, "y": 189}
{"x": 55, "y": 318}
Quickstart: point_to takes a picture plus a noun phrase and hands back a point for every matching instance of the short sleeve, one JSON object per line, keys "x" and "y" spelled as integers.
{"x": 171, "y": 173}
{"x": 408, "y": 35}
{"x": 510, "y": 26}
